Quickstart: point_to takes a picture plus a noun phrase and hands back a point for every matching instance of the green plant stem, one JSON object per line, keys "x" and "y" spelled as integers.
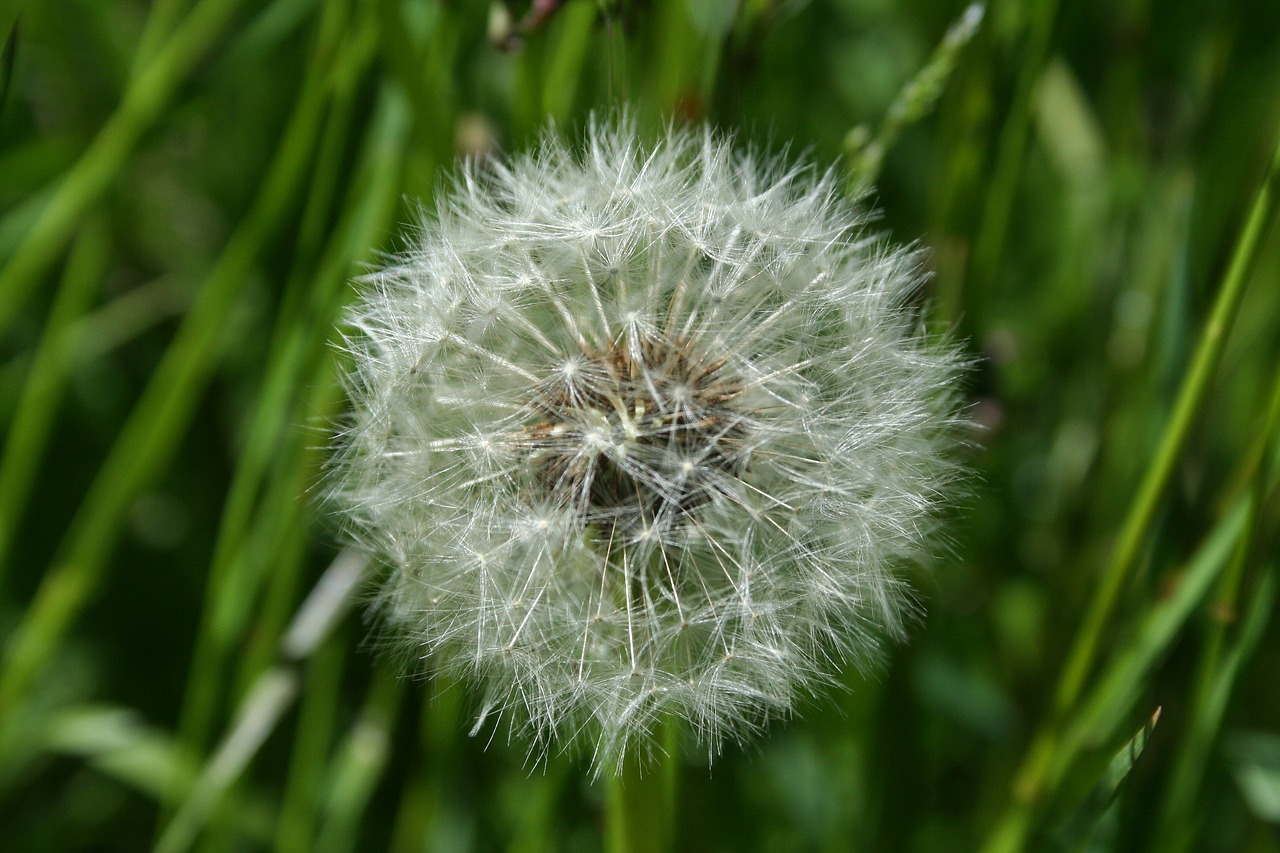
{"x": 640, "y": 800}
{"x": 913, "y": 102}
{"x": 1118, "y": 686}
{"x": 358, "y": 764}
{"x": 1223, "y": 646}
{"x": 1133, "y": 535}
{"x": 264, "y": 704}
{"x": 9, "y": 10}
{"x": 535, "y": 831}
{"x": 615, "y": 53}
{"x": 162, "y": 17}
{"x": 257, "y": 718}
{"x": 275, "y": 547}
{"x": 575, "y": 33}
{"x": 428, "y": 804}
{"x": 1030, "y": 783}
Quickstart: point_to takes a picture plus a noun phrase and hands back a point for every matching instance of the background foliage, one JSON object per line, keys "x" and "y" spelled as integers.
{"x": 186, "y": 188}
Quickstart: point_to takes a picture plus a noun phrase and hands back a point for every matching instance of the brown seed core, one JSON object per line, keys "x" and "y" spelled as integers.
{"x": 637, "y": 436}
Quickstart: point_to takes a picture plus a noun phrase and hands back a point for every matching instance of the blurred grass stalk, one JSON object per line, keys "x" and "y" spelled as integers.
{"x": 271, "y": 695}
{"x": 865, "y": 152}
{"x": 1009, "y": 160}
{"x": 244, "y": 566}
{"x": 1232, "y": 638}
{"x": 144, "y": 100}
{"x": 160, "y": 417}
{"x": 269, "y": 459}
{"x": 263, "y": 534}
{"x": 1050, "y": 754}
{"x": 47, "y": 378}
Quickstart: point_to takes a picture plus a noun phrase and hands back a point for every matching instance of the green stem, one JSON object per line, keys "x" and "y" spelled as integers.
{"x": 1033, "y": 780}
{"x": 1177, "y": 824}
{"x": 359, "y": 764}
{"x": 161, "y": 19}
{"x": 317, "y": 720}
{"x": 913, "y": 102}
{"x": 1191, "y": 398}
{"x": 640, "y": 800}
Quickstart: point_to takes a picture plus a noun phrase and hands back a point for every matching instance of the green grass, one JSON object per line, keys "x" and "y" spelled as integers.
{"x": 187, "y": 187}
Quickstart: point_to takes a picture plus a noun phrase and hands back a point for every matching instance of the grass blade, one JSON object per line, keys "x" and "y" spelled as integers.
{"x": 1035, "y": 774}
{"x": 84, "y": 183}
{"x": 1080, "y": 827}
{"x": 29, "y": 433}
{"x": 158, "y": 420}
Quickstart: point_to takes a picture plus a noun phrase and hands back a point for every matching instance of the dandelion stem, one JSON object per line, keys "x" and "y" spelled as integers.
{"x": 640, "y": 800}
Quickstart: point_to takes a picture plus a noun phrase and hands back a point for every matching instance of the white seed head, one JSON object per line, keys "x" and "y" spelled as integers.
{"x": 644, "y": 432}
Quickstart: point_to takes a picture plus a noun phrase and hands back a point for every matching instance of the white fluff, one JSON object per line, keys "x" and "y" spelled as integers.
{"x": 644, "y": 431}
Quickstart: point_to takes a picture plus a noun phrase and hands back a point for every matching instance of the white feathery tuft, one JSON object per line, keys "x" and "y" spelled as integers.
{"x": 644, "y": 432}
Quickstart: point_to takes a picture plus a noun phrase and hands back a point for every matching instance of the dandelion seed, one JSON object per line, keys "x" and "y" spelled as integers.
{"x": 644, "y": 432}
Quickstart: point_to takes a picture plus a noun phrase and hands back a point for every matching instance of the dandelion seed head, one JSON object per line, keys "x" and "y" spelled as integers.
{"x": 644, "y": 432}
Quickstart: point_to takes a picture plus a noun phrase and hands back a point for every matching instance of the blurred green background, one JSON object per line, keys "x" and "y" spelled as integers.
{"x": 188, "y": 186}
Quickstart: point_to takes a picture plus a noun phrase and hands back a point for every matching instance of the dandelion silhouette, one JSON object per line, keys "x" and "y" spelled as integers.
{"x": 644, "y": 431}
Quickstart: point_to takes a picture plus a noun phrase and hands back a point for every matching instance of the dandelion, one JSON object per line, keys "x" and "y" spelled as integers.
{"x": 644, "y": 432}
